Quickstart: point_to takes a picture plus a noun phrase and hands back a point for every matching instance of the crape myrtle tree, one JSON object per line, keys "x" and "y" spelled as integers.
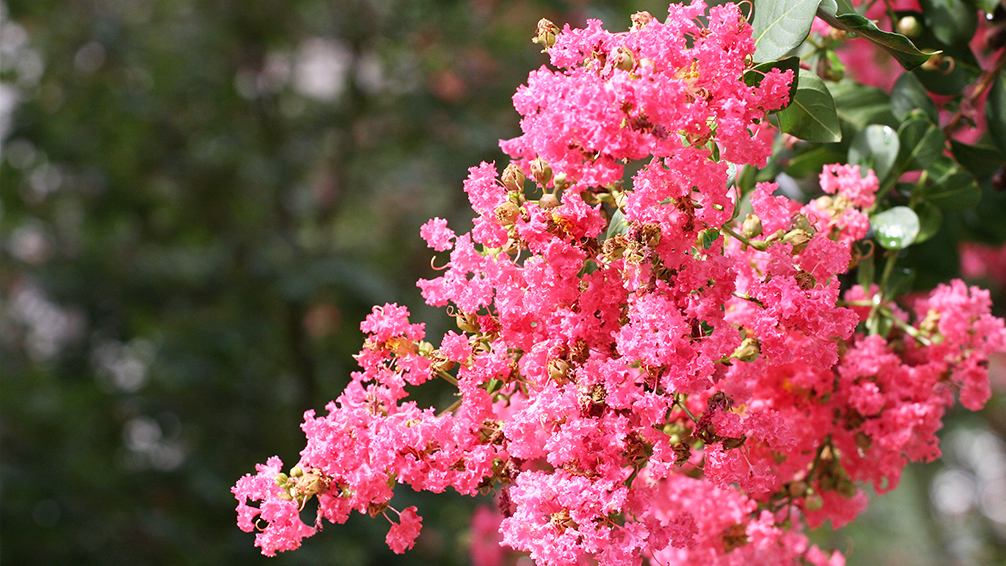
{"x": 661, "y": 355}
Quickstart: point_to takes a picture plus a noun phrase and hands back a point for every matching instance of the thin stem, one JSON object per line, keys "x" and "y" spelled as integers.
{"x": 448, "y": 377}
{"x": 678, "y": 401}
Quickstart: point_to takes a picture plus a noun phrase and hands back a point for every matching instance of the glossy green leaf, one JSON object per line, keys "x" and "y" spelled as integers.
{"x": 930, "y": 220}
{"x": 708, "y": 237}
{"x": 617, "y": 225}
{"x": 896, "y": 228}
{"x": 951, "y": 21}
{"x": 859, "y": 105}
{"x": 995, "y": 111}
{"x": 811, "y": 160}
{"x": 875, "y": 147}
{"x": 950, "y": 187}
{"x": 811, "y": 115}
{"x": 899, "y": 46}
{"x": 982, "y": 160}
{"x": 921, "y": 144}
{"x": 909, "y": 95}
{"x": 779, "y": 26}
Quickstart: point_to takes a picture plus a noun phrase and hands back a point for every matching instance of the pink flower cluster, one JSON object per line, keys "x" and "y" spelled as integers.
{"x": 641, "y": 374}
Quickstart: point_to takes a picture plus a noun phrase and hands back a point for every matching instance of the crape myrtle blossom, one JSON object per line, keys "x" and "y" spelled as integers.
{"x": 642, "y": 373}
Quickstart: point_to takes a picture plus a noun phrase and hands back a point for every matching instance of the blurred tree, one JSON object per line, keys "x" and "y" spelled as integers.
{"x": 200, "y": 200}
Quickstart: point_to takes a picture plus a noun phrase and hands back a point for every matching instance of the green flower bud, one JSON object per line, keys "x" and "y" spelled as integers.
{"x": 751, "y": 228}
{"x": 541, "y": 171}
{"x": 909, "y": 26}
{"x": 798, "y": 238}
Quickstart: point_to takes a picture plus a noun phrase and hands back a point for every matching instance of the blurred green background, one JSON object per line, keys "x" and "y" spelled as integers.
{"x": 200, "y": 200}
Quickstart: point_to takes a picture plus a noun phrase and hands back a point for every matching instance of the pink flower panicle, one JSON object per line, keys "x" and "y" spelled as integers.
{"x": 641, "y": 374}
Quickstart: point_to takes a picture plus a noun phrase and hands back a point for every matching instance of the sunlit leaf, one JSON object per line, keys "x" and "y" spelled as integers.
{"x": 896, "y": 228}
{"x": 779, "y": 26}
{"x": 875, "y": 147}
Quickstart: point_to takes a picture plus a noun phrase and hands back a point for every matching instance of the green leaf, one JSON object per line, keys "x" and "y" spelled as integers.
{"x": 951, "y": 21}
{"x": 950, "y": 187}
{"x": 896, "y": 228}
{"x": 617, "y": 225}
{"x": 811, "y": 115}
{"x": 865, "y": 271}
{"x": 811, "y": 161}
{"x": 982, "y": 160}
{"x": 708, "y": 237}
{"x": 779, "y": 26}
{"x": 995, "y": 111}
{"x": 921, "y": 144}
{"x": 930, "y": 220}
{"x": 899, "y": 46}
{"x": 875, "y": 147}
{"x": 859, "y": 105}
{"x": 909, "y": 95}
{"x": 753, "y": 77}
{"x": 987, "y": 6}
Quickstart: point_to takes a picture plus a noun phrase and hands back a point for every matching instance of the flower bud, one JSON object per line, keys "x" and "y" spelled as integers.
{"x": 541, "y": 171}
{"x": 467, "y": 322}
{"x": 513, "y": 178}
{"x": 546, "y": 33}
{"x": 813, "y": 502}
{"x": 623, "y": 59}
{"x": 797, "y": 489}
{"x": 296, "y": 472}
{"x": 800, "y": 222}
{"x": 748, "y": 350}
{"x": 548, "y": 201}
{"x": 285, "y": 496}
{"x": 751, "y": 228}
{"x": 281, "y": 479}
{"x": 798, "y": 238}
{"x": 909, "y": 26}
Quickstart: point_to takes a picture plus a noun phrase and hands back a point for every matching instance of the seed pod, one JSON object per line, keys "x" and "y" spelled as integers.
{"x": 640, "y": 20}
{"x": 467, "y": 322}
{"x": 507, "y": 213}
{"x": 546, "y": 33}
{"x": 623, "y": 59}
{"x": 513, "y": 178}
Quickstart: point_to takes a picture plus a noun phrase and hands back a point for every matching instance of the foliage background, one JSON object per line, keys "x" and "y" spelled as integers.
{"x": 200, "y": 200}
